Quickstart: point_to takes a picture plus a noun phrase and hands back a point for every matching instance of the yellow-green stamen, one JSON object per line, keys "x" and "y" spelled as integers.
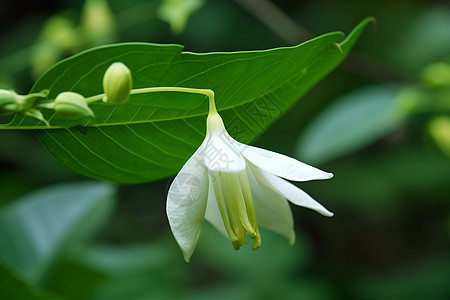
{"x": 236, "y": 207}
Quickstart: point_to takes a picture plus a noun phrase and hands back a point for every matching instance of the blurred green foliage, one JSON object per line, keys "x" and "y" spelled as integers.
{"x": 390, "y": 236}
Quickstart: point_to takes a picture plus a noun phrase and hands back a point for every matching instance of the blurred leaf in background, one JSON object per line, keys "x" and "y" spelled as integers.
{"x": 40, "y": 227}
{"x": 58, "y": 37}
{"x": 177, "y": 12}
{"x": 439, "y": 129}
{"x": 98, "y": 23}
{"x": 61, "y": 37}
{"x": 350, "y": 123}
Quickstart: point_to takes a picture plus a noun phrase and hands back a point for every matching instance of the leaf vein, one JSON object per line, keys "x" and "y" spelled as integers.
{"x": 49, "y": 132}
{"x": 131, "y": 152}
{"x": 152, "y": 144}
{"x": 102, "y": 158}
{"x": 175, "y": 137}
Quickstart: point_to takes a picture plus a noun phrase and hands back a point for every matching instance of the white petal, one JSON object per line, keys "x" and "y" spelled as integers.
{"x": 221, "y": 155}
{"x": 288, "y": 191}
{"x": 279, "y": 164}
{"x": 272, "y": 210}
{"x": 186, "y": 202}
{"x": 212, "y": 211}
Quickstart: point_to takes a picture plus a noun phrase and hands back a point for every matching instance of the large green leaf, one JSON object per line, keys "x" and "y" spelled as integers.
{"x": 152, "y": 135}
{"x": 37, "y": 227}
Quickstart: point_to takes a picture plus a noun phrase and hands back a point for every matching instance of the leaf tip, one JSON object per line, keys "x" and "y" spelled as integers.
{"x": 350, "y": 40}
{"x": 374, "y": 22}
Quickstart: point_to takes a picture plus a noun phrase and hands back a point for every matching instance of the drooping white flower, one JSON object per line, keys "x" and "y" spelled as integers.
{"x": 236, "y": 187}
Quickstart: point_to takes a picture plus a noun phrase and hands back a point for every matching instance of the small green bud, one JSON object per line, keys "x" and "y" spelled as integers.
{"x": 10, "y": 102}
{"x": 436, "y": 75}
{"x": 69, "y": 105}
{"x": 439, "y": 130}
{"x": 117, "y": 83}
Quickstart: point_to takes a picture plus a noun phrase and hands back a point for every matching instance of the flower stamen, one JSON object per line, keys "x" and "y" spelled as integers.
{"x": 223, "y": 212}
{"x": 236, "y": 207}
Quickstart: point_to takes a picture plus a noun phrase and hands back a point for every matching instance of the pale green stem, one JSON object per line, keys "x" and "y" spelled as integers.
{"x": 43, "y": 95}
{"x": 48, "y": 105}
{"x": 205, "y": 92}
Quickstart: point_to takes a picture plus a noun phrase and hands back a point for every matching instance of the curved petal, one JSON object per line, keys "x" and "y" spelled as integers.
{"x": 272, "y": 210}
{"x": 288, "y": 191}
{"x": 212, "y": 214}
{"x": 186, "y": 202}
{"x": 279, "y": 164}
{"x": 221, "y": 155}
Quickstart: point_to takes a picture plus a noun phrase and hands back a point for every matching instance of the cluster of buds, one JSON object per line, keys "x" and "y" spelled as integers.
{"x": 11, "y": 103}
{"x": 117, "y": 84}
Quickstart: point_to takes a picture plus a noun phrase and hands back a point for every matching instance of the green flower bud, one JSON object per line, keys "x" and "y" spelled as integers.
{"x": 117, "y": 83}
{"x": 436, "y": 75}
{"x": 69, "y": 105}
{"x": 10, "y": 102}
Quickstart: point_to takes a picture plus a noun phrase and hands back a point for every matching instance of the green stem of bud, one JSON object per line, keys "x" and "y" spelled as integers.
{"x": 33, "y": 100}
{"x": 206, "y": 92}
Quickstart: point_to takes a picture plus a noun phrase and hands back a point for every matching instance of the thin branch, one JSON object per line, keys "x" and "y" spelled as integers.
{"x": 277, "y": 20}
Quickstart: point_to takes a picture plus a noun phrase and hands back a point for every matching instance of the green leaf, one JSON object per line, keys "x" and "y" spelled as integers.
{"x": 134, "y": 259}
{"x": 429, "y": 28}
{"x": 426, "y": 279}
{"x": 383, "y": 178}
{"x": 352, "y": 122}
{"x": 14, "y": 287}
{"x": 133, "y": 271}
{"x": 35, "y": 229}
{"x": 153, "y": 135}
{"x": 73, "y": 280}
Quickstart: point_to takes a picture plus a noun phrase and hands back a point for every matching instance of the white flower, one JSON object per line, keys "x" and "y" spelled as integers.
{"x": 236, "y": 187}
